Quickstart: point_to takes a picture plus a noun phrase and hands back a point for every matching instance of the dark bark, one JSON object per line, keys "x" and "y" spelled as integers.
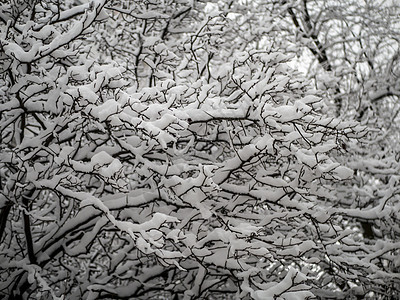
{"x": 306, "y": 28}
{"x": 5, "y": 211}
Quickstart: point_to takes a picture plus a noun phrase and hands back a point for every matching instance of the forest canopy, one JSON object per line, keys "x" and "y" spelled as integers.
{"x": 185, "y": 149}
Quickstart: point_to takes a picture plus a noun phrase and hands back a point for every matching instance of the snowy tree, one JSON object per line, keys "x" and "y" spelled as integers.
{"x": 166, "y": 149}
{"x": 355, "y": 45}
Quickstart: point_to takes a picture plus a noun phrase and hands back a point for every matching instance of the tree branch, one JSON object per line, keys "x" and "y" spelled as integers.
{"x": 27, "y": 229}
